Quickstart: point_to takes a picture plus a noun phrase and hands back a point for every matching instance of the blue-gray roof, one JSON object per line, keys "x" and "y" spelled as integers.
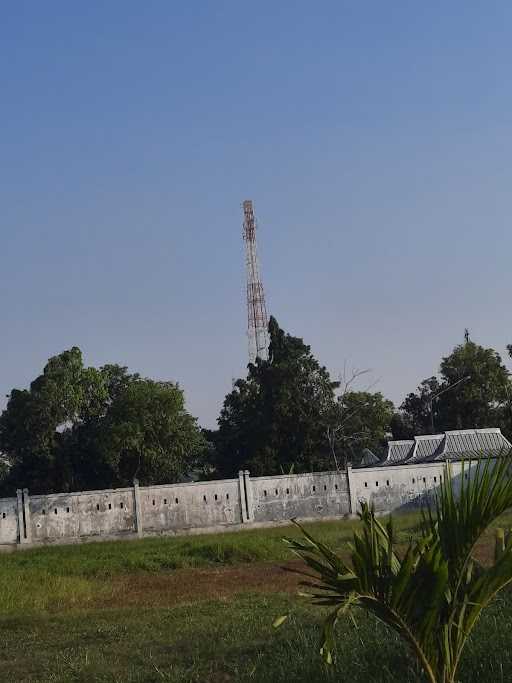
{"x": 427, "y": 447}
{"x": 452, "y": 445}
{"x": 398, "y": 451}
{"x": 368, "y": 459}
{"x": 471, "y": 443}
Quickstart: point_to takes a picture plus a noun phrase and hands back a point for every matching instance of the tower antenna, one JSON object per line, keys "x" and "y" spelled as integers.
{"x": 257, "y": 320}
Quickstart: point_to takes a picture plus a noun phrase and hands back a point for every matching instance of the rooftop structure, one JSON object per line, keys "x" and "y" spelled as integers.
{"x": 458, "y": 444}
{"x": 368, "y": 459}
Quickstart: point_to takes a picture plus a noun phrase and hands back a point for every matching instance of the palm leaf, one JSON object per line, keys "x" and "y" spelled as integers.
{"x": 433, "y": 595}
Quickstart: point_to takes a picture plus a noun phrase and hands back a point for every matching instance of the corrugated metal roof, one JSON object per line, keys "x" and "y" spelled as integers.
{"x": 398, "y": 451}
{"x": 369, "y": 459}
{"x": 427, "y": 447}
{"x": 473, "y": 443}
{"x": 452, "y": 445}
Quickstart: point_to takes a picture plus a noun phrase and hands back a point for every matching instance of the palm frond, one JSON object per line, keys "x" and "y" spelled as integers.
{"x": 433, "y": 595}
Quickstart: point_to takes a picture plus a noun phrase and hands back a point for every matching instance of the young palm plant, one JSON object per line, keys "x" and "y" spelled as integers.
{"x": 434, "y": 592}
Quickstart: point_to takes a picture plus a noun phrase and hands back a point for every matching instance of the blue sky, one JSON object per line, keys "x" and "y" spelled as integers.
{"x": 374, "y": 138}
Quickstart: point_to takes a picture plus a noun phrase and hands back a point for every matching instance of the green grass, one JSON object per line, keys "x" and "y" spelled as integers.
{"x": 60, "y": 622}
{"x": 159, "y": 554}
{"x": 220, "y": 642}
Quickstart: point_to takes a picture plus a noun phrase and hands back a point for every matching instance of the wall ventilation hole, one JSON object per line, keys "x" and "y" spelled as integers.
{"x": 121, "y": 505}
{"x": 413, "y": 480}
{"x": 44, "y": 512}
{"x": 277, "y": 492}
{"x": 227, "y": 496}
{"x": 153, "y": 501}
{"x": 424, "y": 480}
{"x": 387, "y": 482}
{"x": 97, "y": 507}
{"x": 215, "y": 496}
{"x": 265, "y": 493}
{"x": 376, "y": 483}
{"x": 67, "y": 509}
{"x": 287, "y": 491}
{"x": 435, "y": 479}
{"x": 165, "y": 501}
{"x": 335, "y": 487}
{"x": 55, "y": 510}
{"x": 314, "y": 489}
{"x": 204, "y": 498}
{"x": 366, "y": 484}
{"x": 176, "y": 500}
{"x": 110, "y": 506}
{"x": 325, "y": 487}
{"x": 3, "y": 515}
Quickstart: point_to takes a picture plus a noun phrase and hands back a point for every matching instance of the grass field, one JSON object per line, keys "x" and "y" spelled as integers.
{"x": 200, "y": 609}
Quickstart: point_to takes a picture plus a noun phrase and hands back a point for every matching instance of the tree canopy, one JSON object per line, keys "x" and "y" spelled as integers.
{"x": 276, "y": 418}
{"x": 361, "y": 419}
{"x": 280, "y": 417}
{"x": 473, "y": 390}
{"x": 81, "y": 427}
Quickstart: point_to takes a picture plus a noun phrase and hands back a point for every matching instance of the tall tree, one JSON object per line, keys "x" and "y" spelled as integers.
{"x": 277, "y": 417}
{"x": 35, "y": 421}
{"x": 79, "y": 428}
{"x": 147, "y": 433}
{"x": 473, "y": 391}
{"x": 476, "y": 402}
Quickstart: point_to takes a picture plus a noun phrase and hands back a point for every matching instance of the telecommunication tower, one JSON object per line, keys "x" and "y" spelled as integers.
{"x": 257, "y": 320}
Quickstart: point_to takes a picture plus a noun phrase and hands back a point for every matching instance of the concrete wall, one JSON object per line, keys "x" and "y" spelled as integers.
{"x": 168, "y": 509}
{"x": 75, "y": 515}
{"x": 322, "y": 494}
{"x": 186, "y": 506}
{"x": 9, "y": 531}
{"x": 402, "y": 486}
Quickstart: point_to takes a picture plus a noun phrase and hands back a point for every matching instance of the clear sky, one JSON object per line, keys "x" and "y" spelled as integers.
{"x": 375, "y": 139}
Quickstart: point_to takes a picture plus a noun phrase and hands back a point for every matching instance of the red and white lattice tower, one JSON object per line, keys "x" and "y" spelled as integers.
{"x": 257, "y": 320}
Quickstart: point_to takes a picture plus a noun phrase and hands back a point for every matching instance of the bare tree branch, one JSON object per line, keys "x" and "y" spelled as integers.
{"x": 335, "y": 433}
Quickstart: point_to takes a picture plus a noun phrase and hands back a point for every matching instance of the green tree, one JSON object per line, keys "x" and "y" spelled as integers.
{"x": 147, "y": 433}
{"x": 361, "y": 419}
{"x": 78, "y": 428}
{"x": 277, "y": 417}
{"x": 433, "y": 594}
{"x": 421, "y": 412}
{"x": 473, "y": 391}
{"x": 82, "y": 464}
{"x": 35, "y": 421}
{"x": 476, "y": 402}
{"x": 401, "y": 426}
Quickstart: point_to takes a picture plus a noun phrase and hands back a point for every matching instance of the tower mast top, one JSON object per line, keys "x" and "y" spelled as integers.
{"x": 257, "y": 319}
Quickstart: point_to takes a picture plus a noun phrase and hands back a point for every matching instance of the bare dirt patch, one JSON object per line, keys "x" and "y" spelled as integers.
{"x": 192, "y": 585}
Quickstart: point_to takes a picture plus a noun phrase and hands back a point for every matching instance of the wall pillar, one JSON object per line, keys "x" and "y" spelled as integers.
{"x": 243, "y": 499}
{"x": 137, "y": 509}
{"x": 351, "y": 490}
{"x": 21, "y": 521}
{"x": 249, "y": 496}
{"x": 26, "y": 512}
